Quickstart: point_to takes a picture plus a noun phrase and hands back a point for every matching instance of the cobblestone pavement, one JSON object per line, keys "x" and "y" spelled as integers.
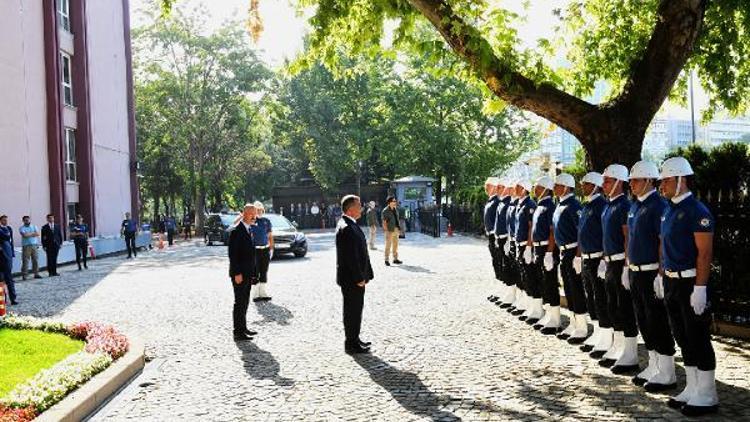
{"x": 441, "y": 351}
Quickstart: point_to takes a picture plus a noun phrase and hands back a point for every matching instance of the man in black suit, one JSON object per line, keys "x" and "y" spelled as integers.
{"x": 353, "y": 272}
{"x": 242, "y": 271}
{"x": 51, "y": 242}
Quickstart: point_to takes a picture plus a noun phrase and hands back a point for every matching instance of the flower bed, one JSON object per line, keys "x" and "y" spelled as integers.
{"x": 27, "y": 400}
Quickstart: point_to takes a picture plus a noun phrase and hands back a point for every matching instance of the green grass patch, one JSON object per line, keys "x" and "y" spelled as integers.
{"x": 23, "y": 353}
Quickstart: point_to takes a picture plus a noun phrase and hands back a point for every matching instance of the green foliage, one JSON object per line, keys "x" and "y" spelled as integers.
{"x": 725, "y": 168}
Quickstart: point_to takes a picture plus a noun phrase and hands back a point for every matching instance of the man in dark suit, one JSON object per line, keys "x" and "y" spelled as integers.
{"x": 51, "y": 242}
{"x": 353, "y": 272}
{"x": 242, "y": 270}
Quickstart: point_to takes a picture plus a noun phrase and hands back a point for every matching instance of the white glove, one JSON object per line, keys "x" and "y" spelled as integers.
{"x": 626, "y": 278}
{"x": 549, "y": 262}
{"x": 659, "y": 287}
{"x": 506, "y": 248}
{"x": 528, "y": 256}
{"x": 577, "y": 264}
{"x": 602, "y": 270}
{"x": 497, "y": 243}
{"x": 270, "y": 254}
{"x": 698, "y": 299}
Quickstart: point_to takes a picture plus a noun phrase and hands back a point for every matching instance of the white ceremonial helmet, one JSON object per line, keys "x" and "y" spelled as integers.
{"x": 676, "y": 166}
{"x": 616, "y": 171}
{"x": 546, "y": 182}
{"x": 524, "y": 183}
{"x": 644, "y": 170}
{"x": 565, "y": 179}
{"x": 490, "y": 181}
{"x": 594, "y": 178}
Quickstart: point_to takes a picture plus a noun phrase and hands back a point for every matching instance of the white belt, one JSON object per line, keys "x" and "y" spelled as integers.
{"x": 645, "y": 267}
{"x": 615, "y": 257}
{"x": 681, "y": 274}
{"x": 501, "y": 236}
{"x": 569, "y": 246}
{"x": 489, "y": 233}
{"x": 262, "y": 247}
{"x": 592, "y": 255}
{"x": 542, "y": 243}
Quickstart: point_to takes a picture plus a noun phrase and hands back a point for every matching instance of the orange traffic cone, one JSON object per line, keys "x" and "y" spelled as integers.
{"x": 161, "y": 241}
{"x": 450, "y": 230}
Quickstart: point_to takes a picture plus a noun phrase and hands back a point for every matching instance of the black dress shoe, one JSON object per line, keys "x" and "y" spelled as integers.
{"x": 387, "y": 264}
{"x": 365, "y": 343}
{"x": 562, "y": 336}
{"x": 576, "y": 340}
{"x": 503, "y": 305}
{"x": 675, "y": 404}
{"x": 538, "y": 326}
{"x": 242, "y": 337}
{"x": 265, "y": 298}
{"x": 548, "y": 331}
{"x": 639, "y": 381}
{"x": 517, "y": 312}
{"x": 356, "y": 350}
{"x": 14, "y": 302}
{"x": 523, "y": 317}
{"x": 586, "y": 348}
{"x": 532, "y": 321}
{"x": 597, "y": 354}
{"x": 607, "y": 363}
{"x": 625, "y": 369}
{"x": 250, "y": 332}
{"x": 37, "y": 276}
{"x": 656, "y": 388}
{"x": 396, "y": 261}
{"x": 689, "y": 410}
{"x": 257, "y": 299}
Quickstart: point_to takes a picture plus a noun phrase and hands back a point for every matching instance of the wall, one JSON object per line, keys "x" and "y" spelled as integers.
{"x": 24, "y": 187}
{"x": 109, "y": 113}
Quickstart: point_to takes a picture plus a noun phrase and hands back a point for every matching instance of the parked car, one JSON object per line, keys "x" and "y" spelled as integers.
{"x": 216, "y": 228}
{"x": 286, "y": 237}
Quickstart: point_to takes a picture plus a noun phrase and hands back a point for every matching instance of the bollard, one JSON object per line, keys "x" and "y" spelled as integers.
{"x": 450, "y": 230}
{"x": 91, "y": 251}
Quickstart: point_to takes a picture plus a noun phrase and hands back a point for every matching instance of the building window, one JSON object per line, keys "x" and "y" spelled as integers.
{"x": 70, "y": 155}
{"x": 63, "y": 12}
{"x": 72, "y": 208}
{"x": 67, "y": 79}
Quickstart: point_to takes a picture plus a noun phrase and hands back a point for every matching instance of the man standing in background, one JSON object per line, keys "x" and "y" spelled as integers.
{"x": 7, "y": 254}
{"x": 30, "y": 245}
{"x": 392, "y": 229}
{"x": 51, "y": 242}
{"x": 372, "y": 223}
{"x": 128, "y": 231}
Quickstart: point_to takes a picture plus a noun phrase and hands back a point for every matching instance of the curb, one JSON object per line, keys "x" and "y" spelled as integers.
{"x": 84, "y": 401}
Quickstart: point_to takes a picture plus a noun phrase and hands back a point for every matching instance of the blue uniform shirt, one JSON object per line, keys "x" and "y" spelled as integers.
{"x": 541, "y": 222}
{"x": 614, "y": 216}
{"x": 129, "y": 225}
{"x": 524, "y": 214}
{"x": 644, "y": 221}
{"x": 80, "y": 228}
{"x": 260, "y": 231}
{"x": 566, "y": 221}
{"x": 501, "y": 220}
{"x": 490, "y": 214}
{"x": 679, "y": 223}
{"x": 510, "y": 221}
{"x": 590, "y": 225}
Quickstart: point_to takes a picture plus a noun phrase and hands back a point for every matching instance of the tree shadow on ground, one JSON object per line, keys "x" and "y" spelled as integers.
{"x": 412, "y": 394}
{"x": 272, "y": 312}
{"x": 261, "y": 364}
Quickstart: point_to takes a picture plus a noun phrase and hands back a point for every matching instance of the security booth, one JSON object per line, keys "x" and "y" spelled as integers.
{"x": 413, "y": 193}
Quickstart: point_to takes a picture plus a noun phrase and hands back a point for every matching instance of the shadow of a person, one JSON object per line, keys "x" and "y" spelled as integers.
{"x": 261, "y": 365}
{"x": 406, "y": 388}
{"x": 273, "y": 313}
{"x": 415, "y": 269}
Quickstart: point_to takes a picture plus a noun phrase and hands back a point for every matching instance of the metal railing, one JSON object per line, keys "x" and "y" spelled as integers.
{"x": 429, "y": 222}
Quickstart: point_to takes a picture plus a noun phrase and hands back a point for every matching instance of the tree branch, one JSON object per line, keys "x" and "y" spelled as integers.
{"x": 557, "y": 106}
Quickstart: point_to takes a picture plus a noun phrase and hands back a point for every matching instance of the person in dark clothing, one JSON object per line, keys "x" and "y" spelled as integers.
{"x": 243, "y": 271}
{"x": 51, "y": 242}
{"x": 80, "y": 234}
{"x": 7, "y": 253}
{"x": 353, "y": 272}
{"x": 128, "y": 231}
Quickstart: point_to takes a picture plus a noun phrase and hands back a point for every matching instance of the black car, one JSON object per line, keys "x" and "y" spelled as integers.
{"x": 216, "y": 228}
{"x": 286, "y": 238}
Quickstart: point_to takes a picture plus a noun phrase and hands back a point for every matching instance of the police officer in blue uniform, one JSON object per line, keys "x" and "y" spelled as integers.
{"x": 129, "y": 229}
{"x": 566, "y": 236}
{"x": 542, "y": 272}
{"x": 622, "y": 357}
{"x": 79, "y": 232}
{"x": 512, "y": 271}
{"x": 262, "y": 230}
{"x": 687, "y": 247}
{"x": 490, "y": 215}
{"x": 524, "y": 213}
{"x": 591, "y": 251}
{"x": 644, "y": 221}
{"x": 501, "y": 238}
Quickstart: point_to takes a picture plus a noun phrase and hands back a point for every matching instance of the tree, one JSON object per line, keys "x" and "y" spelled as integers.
{"x": 639, "y": 48}
{"x": 196, "y": 89}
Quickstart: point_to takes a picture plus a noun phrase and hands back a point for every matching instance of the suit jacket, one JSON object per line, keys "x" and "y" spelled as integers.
{"x": 51, "y": 239}
{"x": 352, "y": 258}
{"x": 242, "y": 252}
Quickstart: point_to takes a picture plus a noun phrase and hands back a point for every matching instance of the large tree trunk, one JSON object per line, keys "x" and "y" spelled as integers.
{"x": 199, "y": 202}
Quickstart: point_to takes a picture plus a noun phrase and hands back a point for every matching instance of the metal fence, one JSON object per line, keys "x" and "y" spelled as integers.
{"x": 730, "y": 269}
{"x": 429, "y": 222}
{"x": 463, "y": 218}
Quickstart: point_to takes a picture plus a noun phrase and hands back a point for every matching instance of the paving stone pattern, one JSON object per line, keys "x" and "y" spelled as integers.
{"x": 441, "y": 351}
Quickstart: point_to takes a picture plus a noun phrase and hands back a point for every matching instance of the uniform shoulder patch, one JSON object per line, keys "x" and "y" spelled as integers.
{"x": 705, "y": 222}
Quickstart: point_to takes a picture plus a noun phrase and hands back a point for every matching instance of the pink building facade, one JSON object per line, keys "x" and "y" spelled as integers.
{"x": 67, "y": 124}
